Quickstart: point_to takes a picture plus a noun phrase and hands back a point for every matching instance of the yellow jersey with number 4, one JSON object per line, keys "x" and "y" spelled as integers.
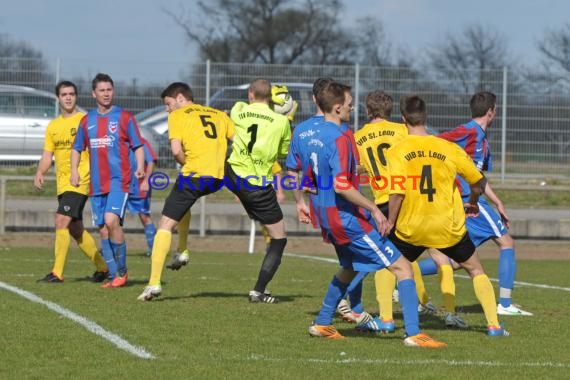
{"x": 204, "y": 133}
{"x": 60, "y": 134}
{"x": 423, "y": 169}
{"x": 372, "y": 141}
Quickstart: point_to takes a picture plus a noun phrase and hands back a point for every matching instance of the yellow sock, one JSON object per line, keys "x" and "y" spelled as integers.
{"x": 266, "y": 236}
{"x": 62, "y": 241}
{"x": 88, "y": 246}
{"x": 420, "y": 286}
{"x": 183, "y": 227}
{"x": 160, "y": 249}
{"x": 385, "y": 283}
{"x": 447, "y": 285}
{"x": 486, "y": 296}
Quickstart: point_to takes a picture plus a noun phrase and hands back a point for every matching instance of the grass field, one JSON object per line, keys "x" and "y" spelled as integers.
{"x": 204, "y": 328}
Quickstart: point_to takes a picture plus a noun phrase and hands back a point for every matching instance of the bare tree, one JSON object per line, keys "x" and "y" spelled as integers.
{"x": 468, "y": 58}
{"x": 278, "y": 31}
{"x": 21, "y": 64}
{"x": 555, "y": 50}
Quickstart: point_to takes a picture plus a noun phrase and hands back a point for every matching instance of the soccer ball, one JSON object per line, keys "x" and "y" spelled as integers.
{"x": 287, "y": 105}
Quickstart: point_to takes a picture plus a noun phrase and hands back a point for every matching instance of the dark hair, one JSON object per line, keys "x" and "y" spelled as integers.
{"x": 101, "y": 78}
{"x": 320, "y": 84}
{"x": 482, "y": 102}
{"x": 379, "y": 104}
{"x": 65, "y": 83}
{"x": 413, "y": 109}
{"x": 261, "y": 89}
{"x": 176, "y": 88}
{"x": 332, "y": 94}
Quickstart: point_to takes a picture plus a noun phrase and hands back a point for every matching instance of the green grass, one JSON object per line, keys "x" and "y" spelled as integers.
{"x": 204, "y": 328}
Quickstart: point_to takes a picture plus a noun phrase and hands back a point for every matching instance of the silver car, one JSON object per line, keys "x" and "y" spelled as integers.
{"x": 24, "y": 115}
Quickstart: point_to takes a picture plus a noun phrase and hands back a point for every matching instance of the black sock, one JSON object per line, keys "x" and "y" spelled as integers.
{"x": 270, "y": 263}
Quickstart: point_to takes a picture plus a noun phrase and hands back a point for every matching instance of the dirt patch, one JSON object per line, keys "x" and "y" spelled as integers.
{"x": 526, "y": 249}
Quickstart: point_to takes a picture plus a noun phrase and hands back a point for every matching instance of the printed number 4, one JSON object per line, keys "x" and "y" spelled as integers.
{"x": 426, "y": 185}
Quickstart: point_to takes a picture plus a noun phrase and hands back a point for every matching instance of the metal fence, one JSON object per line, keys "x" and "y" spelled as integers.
{"x": 530, "y": 137}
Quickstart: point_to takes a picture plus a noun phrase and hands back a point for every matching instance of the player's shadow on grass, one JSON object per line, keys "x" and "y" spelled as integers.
{"x": 470, "y": 309}
{"x": 282, "y": 298}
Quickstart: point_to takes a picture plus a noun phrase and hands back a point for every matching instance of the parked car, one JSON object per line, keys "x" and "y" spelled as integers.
{"x": 153, "y": 125}
{"x": 24, "y": 115}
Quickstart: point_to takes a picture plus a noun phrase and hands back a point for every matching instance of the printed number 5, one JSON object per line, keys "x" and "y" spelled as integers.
{"x": 206, "y": 123}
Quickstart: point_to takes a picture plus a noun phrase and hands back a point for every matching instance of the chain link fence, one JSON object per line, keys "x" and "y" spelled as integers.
{"x": 530, "y": 137}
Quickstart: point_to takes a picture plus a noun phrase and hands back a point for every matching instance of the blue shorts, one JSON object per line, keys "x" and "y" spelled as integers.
{"x": 139, "y": 205}
{"x": 113, "y": 202}
{"x": 487, "y": 225}
{"x": 370, "y": 253}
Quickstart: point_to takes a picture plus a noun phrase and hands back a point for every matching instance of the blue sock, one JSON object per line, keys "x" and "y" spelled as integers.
{"x": 428, "y": 266}
{"x": 120, "y": 256}
{"x": 355, "y": 296}
{"x": 507, "y": 274}
{"x": 149, "y": 232}
{"x": 355, "y": 292}
{"x": 334, "y": 294}
{"x": 109, "y": 257}
{"x": 409, "y": 303}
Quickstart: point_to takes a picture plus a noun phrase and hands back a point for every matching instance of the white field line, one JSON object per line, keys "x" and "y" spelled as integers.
{"x": 520, "y": 283}
{"x": 399, "y": 362}
{"x": 86, "y": 323}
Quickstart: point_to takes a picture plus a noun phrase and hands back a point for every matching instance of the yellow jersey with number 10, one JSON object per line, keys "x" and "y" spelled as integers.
{"x": 423, "y": 168}
{"x": 372, "y": 141}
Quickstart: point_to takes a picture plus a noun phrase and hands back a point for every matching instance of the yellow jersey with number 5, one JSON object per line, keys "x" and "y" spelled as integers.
{"x": 372, "y": 141}
{"x": 423, "y": 169}
{"x": 204, "y": 133}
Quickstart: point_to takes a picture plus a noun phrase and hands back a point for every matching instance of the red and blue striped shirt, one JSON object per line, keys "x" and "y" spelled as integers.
{"x": 109, "y": 138}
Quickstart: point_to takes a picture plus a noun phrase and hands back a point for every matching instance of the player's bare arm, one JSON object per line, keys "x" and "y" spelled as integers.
{"x": 498, "y": 204}
{"x": 74, "y": 178}
{"x": 471, "y": 207}
{"x": 303, "y": 212}
{"x": 43, "y": 166}
{"x": 394, "y": 205}
{"x": 139, "y": 154}
{"x": 177, "y": 151}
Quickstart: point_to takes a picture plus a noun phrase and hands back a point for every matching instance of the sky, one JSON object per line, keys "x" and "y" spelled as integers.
{"x": 136, "y": 38}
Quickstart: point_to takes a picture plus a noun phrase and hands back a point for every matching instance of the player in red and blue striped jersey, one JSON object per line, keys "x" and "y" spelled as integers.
{"x": 109, "y": 132}
{"x": 328, "y": 158}
{"x": 301, "y": 133}
{"x": 140, "y": 193}
{"x": 489, "y": 224}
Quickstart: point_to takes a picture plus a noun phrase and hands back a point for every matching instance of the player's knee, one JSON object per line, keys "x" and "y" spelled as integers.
{"x": 506, "y": 241}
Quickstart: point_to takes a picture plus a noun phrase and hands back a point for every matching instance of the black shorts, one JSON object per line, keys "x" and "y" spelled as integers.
{"x": 259, "y": 202}
{"x": 71, "y": 204}
{"x": 459, "y": 253}
{"x": 183, "y": 196}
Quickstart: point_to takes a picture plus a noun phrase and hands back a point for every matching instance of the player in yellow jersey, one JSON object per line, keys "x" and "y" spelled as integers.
{"x": 261, "y": 136}
{"x": 60, "y": 134}
{"x": 425, "y": 206}
{"x": 199, "y": 141}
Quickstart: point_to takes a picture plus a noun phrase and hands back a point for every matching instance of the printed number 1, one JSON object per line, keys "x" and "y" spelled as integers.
{"x": 253, "y": 131}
